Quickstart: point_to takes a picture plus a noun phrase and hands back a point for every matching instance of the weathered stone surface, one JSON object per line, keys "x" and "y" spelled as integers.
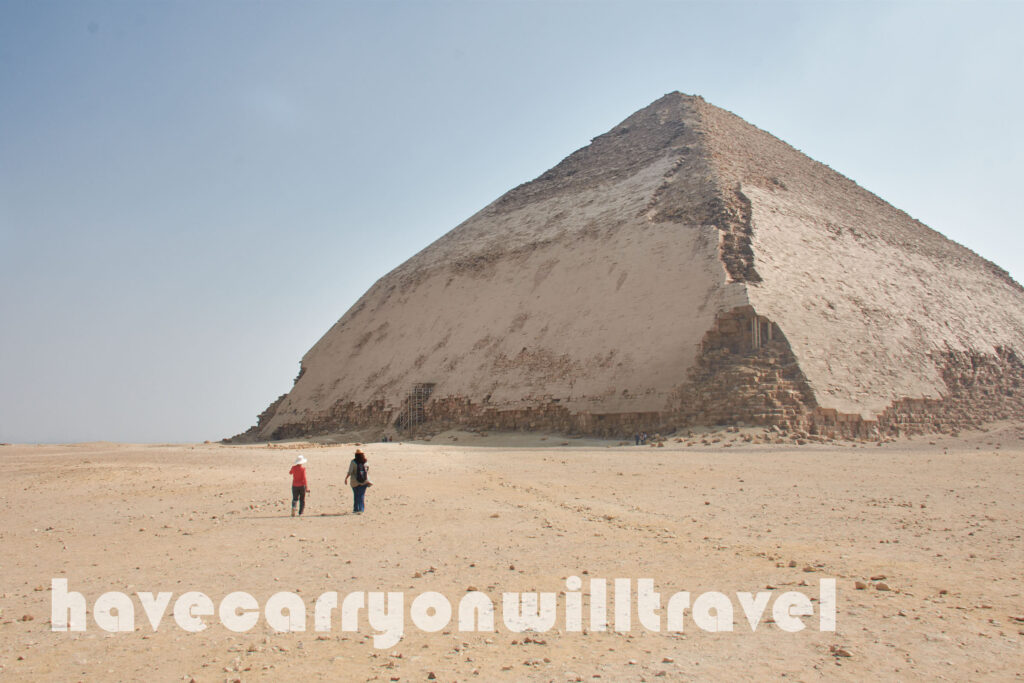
{"x": 685, "y": 268}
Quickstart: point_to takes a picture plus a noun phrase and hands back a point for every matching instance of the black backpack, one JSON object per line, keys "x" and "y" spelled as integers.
{"x": 360, "y": 472}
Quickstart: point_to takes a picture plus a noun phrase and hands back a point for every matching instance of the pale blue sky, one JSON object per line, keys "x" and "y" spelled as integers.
{"x": 191, "y": 193}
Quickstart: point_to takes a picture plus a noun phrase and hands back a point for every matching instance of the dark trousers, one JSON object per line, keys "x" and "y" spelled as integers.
{"x": 358, "y": 494}
{"x": 299, "y": 494}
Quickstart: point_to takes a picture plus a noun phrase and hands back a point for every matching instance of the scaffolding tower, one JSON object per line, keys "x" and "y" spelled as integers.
{"x": 414, "y": 411}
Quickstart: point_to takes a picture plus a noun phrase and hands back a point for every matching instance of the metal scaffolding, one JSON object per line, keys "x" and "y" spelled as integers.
{"x": 414, "y": 411}
{"x": 760, "y": 331}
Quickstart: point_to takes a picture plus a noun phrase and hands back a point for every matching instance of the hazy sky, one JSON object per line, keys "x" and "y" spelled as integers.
{"x": 191, "y": 193}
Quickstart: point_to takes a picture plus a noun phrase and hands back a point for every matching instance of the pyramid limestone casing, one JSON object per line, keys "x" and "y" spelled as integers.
{"x": 623, "y": 283}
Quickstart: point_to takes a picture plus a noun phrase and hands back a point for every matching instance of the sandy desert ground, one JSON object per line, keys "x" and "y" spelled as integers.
{"x": 940, "y": 518}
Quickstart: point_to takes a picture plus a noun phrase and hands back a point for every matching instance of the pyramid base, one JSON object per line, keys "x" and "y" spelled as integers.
{"x": 746, "y": 375}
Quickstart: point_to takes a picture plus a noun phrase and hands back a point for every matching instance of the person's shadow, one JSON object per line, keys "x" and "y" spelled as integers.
{"x": 312, "y": 516}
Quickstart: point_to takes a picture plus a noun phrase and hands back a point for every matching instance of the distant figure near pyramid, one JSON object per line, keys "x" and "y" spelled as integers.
{"x": 685, "y": 268}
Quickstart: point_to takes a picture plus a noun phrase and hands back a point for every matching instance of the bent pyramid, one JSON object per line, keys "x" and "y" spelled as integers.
{"x": 685, "y": 268}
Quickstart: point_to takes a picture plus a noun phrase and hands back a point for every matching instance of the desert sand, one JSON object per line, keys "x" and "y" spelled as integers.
{"x": 939, "y": 518}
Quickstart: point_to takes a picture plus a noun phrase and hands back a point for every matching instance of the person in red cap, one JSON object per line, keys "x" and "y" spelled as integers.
{"x": 299, "y": 485}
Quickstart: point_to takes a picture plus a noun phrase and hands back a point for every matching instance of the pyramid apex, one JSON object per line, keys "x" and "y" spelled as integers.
{"x": 677, "y": 95}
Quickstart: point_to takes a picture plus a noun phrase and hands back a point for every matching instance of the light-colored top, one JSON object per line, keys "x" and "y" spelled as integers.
{"x": 352, "y": 469}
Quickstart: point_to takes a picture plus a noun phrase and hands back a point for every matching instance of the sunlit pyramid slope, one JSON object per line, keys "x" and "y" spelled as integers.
{"x": 685, "y": 268}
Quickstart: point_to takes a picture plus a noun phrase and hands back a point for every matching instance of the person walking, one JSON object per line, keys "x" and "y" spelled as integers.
{"x": 300, "y": 487}
{"x": 358, "y": 478}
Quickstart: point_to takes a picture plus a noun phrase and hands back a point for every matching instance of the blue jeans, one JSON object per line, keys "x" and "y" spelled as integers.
{"x": 358, "y": 492}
